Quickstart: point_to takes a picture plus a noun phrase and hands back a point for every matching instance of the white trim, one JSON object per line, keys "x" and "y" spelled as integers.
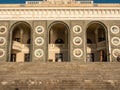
{"x": 109, "y": 45}
{"x": 55, "y": 7}
{"x": 58, "y": 18}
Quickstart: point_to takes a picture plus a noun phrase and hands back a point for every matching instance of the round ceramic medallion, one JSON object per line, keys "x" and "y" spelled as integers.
{"x": 39, "y": 41}
{"x": 38, "y": 53}
{"x": 116, "y": 52}
{"x": 2, "y": 52}
{"x": 77, "y": 52}
{"x": 3, "y": 29}
{"x": 115, "y": 29}
{"x": 77, "y": 41}
{"x": 39, "y": 29}
{"x": 115, "y": 41}
{"x": 2, "y": 40}
{"x": 77, "y": 29}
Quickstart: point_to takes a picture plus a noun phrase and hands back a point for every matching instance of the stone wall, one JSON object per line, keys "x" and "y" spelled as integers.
{"x": 112, "y": 47}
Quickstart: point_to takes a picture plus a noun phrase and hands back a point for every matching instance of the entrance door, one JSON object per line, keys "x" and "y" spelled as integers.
{"x": 13, "y": 58}
{"x": 27, "y": 57}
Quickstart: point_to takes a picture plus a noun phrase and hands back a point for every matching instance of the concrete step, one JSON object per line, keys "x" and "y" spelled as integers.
{"x": 59, "y": 76}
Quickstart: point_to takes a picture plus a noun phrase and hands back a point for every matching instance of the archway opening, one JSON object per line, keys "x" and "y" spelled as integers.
{"x": 20, "y": 43}
{"x": 58, "y": 43}
{"x": 97, "y": 48}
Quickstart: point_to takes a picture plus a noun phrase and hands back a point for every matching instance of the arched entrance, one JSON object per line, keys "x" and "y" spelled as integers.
{"x": 58, "y": 47}
{"x": 20, "y": 42}
{"x": 97, "y": 46}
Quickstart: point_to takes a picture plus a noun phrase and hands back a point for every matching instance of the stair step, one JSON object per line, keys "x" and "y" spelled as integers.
{"x": 59, "y": 76}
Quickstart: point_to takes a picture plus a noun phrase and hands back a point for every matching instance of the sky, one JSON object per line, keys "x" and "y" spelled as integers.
{"x": 23, "y": 1}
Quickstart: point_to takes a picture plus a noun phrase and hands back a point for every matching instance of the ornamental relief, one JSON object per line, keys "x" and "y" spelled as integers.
{"x": 115, "y": 29}
{"x": 39, "y": 41}
{"x": 3, "y": 29}
{"x": 2, "y": 40}
{"x": 115, "y": 41}
{"x": 116, "y": 52}
{"x": 39, "y": 29}
{"x": 39, "y": 53}
{"x": 77, "y": 29}
{"x": 77, "y": 41}
{"x": 77, "y": 52}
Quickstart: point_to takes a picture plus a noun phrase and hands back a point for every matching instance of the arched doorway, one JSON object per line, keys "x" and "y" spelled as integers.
{"x": 97, "y": 46}
{"x": 58, "y": 47}
{"x": 20, "y": 42}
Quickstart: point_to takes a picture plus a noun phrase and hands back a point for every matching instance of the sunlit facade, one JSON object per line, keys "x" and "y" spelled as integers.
{"x": 59, "y": 31}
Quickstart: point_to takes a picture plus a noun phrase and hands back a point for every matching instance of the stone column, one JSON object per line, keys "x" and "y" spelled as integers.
{"x": 21, "y": 35}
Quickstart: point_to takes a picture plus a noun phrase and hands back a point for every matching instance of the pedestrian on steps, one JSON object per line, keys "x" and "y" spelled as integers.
{"x": 118, "y": 58}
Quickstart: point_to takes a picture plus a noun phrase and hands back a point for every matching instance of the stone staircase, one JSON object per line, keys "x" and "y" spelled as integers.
{"x": 60, "y": 76}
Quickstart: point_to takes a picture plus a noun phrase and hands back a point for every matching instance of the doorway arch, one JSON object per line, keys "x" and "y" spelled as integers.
{"x": 20, "y": 42}
{"x": 96, "y": 41}
{"x": 58, "y": 45}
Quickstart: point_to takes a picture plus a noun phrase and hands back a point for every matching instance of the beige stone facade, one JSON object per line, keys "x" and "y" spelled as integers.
{"x": 56, "y": 32}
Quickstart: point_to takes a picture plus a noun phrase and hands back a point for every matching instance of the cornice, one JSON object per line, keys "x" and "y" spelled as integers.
{"x": 54, "y": 13}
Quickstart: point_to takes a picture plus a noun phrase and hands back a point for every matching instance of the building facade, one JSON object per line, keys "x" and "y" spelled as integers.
{"x": 59, "y": 31}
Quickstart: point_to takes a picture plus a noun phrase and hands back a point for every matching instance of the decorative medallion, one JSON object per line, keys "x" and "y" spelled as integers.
{"x": 77, "y": 29}
{"x": 116, "y": 52}
{"x": 39, "y": 41}
{"x": 2, "y": 40}
{"x": 77, "y": 52}
{"x": 3, "y": 29}
{"x": 115, "y": 41}
{"x": 39, "y": 29}
{"x": 115, "y": 29}
{"x": 2, "y": 52}
{"x": 39, "y": 53}
{"x": 77, "y": 41}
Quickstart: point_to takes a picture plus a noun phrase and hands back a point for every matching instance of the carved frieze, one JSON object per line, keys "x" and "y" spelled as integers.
{"x": 59, "y": 13}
